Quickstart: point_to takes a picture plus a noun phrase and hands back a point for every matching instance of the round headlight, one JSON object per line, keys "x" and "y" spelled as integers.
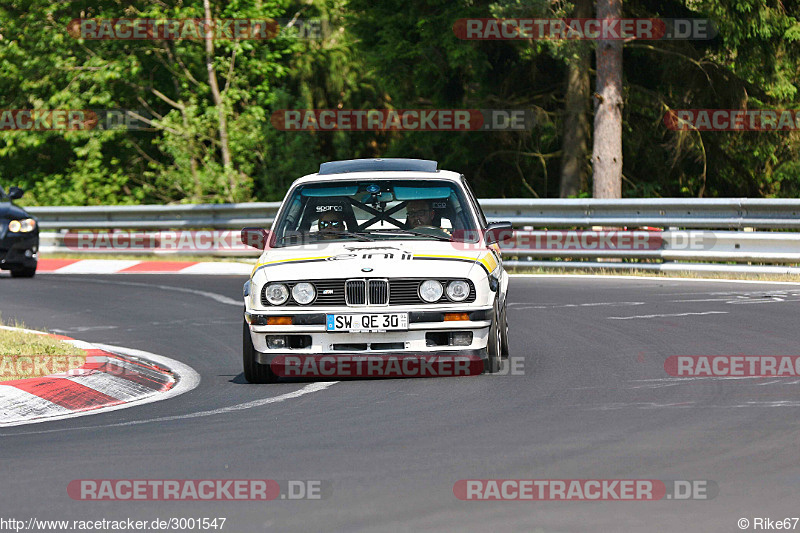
{"x": 27, "y": 225}
{"x": 458, "y": 290}
{"x": 277, "y": 293}
{"x": 303, "y": 293}
{"x": 430, "y": 290}
{"x": 14, "y": 226}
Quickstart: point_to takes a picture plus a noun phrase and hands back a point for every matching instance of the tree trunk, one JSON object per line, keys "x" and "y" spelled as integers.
{"x": 212, "y": 82}
{"x": 607, "y": 151}
{"x": 575, "y": 143}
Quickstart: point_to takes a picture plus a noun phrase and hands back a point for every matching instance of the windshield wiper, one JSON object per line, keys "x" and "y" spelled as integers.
{"x": 315, "y": 237}
{"x": 411, "y": 232}
{"x": 358, "y": 235}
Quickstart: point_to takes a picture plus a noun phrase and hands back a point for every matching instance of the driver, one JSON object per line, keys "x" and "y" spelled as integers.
{"x": 419, "y": 213}
{"x": 331, "y": 222}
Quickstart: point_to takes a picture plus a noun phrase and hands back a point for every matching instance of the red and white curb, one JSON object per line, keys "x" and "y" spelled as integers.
{"x": 125, "y": 266}
{"x": 112, "y": 378}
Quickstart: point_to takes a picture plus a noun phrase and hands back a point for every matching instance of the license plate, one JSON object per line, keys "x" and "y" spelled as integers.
{"x": 371, "y": 322}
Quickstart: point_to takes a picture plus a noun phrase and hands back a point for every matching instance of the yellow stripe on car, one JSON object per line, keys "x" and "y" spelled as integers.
{"x": 489, "y": 262}
{"x": 266, "y": 263}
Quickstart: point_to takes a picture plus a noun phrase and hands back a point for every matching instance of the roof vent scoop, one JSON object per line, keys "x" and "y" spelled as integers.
{"x": 378, "y": 165}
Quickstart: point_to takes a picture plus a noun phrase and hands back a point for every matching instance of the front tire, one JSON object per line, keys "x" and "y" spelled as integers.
{"x": 494, "y": 347}
{"x": 504, "y": 332}
{"x": 24, "y": 272}
{"x": 254, "y": 372}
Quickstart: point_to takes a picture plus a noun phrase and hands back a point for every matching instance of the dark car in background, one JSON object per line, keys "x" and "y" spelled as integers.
{"x": 19, "y": 236}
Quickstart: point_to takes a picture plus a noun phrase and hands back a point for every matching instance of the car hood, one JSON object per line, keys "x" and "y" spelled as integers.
{"x": 9, "y": 211}
{"x": 396, "y": 258}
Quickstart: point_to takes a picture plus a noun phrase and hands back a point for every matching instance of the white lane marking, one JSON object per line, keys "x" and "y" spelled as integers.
{"x": 670, "y": 315}
{"x": 221, "y": 298}
{"x": 694, "y": 405}
{"x": 522, "y": 305}
{"x": 188, "y": 379}
{"x": 693, "y": 378}
{"x": 741, "y": 293}
{"x": 640, "y": 405}
{"x": 308, "y": 389}
{"x": 654, "y": 386}
{"x": 653, "y": 278}
{"x": 81, "y": 329}
{"x": 739, "y": 300}
{"x": 701, "y": 300}
{"x": 775, "y": 403}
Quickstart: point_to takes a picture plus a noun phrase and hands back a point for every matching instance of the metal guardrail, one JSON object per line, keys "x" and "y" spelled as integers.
{"x": 182, "y": 216}
{"x": 704, "y": 222}
{"x": 728, "y": 213}
{"x": 721, "y": 213}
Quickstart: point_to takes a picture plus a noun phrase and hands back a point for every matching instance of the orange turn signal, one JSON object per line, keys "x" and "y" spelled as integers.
{"x": 455, "y": 316}
{"x": 279, "y": 321}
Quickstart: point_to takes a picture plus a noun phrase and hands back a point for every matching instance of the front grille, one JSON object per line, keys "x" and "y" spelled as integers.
{"x": 366, "y": 292}
{"x": 353, "y": 292}
{"x": 378, "y": 292}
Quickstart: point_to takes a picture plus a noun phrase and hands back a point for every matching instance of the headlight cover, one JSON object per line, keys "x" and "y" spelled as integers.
{"x": 277, "y": 293}
{"x": 430, "y": 290}
{"x": 303, "y": 293}
{"x": 22, "y": 226}
{"x": 458, "y": 290}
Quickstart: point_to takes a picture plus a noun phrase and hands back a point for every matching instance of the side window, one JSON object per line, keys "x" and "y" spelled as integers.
{"x": 474, "y": 201}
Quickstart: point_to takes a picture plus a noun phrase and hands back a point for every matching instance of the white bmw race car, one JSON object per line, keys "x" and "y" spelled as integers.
{"x": 376, "y": 257}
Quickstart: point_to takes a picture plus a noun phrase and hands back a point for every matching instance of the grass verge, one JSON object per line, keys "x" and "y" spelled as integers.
{"x": 26, "y": 355}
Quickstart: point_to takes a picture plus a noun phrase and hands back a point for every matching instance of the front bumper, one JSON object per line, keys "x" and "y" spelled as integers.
{"x": 427, "y": 333}
{"x": 19, "y": 250}
{"x": 266, "y": 358}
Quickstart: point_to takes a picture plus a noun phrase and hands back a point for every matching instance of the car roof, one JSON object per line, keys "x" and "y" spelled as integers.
{"x": 444, "y": 175}
{"x": 366, "y": 169}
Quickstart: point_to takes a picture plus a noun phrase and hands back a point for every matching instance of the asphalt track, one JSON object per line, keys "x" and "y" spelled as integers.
{"x": 594, "y": 403}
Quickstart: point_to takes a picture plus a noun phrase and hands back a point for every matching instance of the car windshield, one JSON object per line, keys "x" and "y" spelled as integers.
{"x": 374, "y": 209}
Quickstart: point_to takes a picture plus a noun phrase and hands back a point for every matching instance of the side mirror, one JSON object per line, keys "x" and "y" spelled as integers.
{"x": 499, "y": 232}
{"x": 15, "y": 193}
{"x": 255, "y": 237}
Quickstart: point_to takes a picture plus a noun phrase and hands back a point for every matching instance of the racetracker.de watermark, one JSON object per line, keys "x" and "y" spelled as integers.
{"x": 74, "y": 120}
{"x": 386, "y": 366}
{"x": 197, "y": 489}
{"x": 497, "y": 29}
{"x": 13, "y": 367}
{"x": 554, "y": 241}
{"x": 403, "y": 119}
{"x": 584, "y": 489}
{"x": 772, "y": 366}
{"x": 178, "y": 241}
{"x": 510, "y": 241}
{"x": 732, "y": 119}
{"x": 95, "y": 29}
